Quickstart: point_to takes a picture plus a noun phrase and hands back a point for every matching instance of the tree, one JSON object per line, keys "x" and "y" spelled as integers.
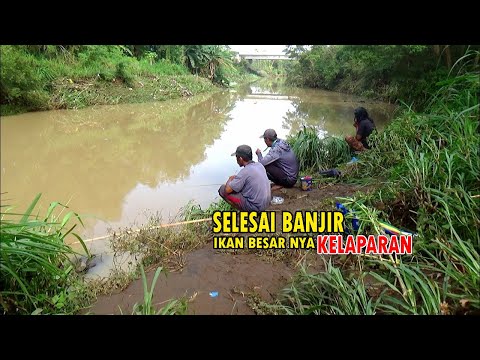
{"x": 294, "y": 51}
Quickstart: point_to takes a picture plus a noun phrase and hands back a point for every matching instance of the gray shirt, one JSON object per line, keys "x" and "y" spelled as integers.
{"x": 252, "y": 182}
{"x": 284, "y": 157}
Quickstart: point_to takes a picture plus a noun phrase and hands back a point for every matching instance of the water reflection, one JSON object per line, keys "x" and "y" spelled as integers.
{"x": 330, "y": 112}
{"x": 98, "y": 155}
{"x": 121, "y": 163}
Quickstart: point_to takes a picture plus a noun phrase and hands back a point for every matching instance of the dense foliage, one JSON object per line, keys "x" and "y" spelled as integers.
{"x": 389, "y": 72}
{"x": 41, "y": 77}
{"x": 427, "y": 165}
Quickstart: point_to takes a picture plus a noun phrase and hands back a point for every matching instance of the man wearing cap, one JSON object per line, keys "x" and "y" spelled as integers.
{"x": 249, "y": 190}
{"x": 280, "y": 163}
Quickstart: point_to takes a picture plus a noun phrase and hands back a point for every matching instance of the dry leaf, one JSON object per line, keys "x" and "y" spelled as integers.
{"x": 444, "y": 308}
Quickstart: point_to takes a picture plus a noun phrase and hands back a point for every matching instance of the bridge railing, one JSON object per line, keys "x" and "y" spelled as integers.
{"x": 264, "y": 57}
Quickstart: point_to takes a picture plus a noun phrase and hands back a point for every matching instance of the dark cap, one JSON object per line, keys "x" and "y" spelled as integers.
{"x": 269, "y": 133}
{"x": 244, "y": 151}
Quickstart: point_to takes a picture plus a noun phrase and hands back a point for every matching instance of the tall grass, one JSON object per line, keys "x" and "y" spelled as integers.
{"x": 166, "y": 246}
{"x": 193, "y": 211}
{"x": 315, "y": 154}
{"x": 326, "y": 293}
{"x": 438, "y": 166}
{"x": 104, "y": 62}
{"x": 439, "y": 277}
{"x": 37, "y": 275}
{"x": 409, "y": 289}
{"x": 41, "y": 80}
{"x": 173, "y": 307}
{"x": 430, "y": 168}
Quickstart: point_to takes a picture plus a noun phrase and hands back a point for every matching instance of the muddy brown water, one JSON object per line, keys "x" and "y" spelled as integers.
{"x": 119, "y": 165}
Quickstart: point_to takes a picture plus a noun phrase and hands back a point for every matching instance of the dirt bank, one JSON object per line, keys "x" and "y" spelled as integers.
{"x": 238, "y": 276}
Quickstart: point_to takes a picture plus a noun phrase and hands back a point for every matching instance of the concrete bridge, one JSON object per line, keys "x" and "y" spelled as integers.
{"x": 264, "y": 57}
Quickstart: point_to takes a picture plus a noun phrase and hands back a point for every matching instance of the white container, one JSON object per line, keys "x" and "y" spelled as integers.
{"x": 277, "y": 200}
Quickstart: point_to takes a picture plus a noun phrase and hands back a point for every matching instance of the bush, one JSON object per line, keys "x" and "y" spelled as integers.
{"x": 126, "y": 70}
{"x": 37, "y": 275}
{"x": 22, "y": 78}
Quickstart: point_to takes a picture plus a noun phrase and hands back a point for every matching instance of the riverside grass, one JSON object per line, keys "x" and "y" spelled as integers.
{"x": 427, "y": 166}
{"x": 172, "y": 307}
{"x": 37, "y": 274}
{"x": 315, "y": 154}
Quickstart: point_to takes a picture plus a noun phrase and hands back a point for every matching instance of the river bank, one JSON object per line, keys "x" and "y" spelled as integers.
{"x": 244, "y": 280}
{"x": 83, "y": 92}
{"x": 43, "y": 77}
{"x": 418, "y": 180}
{"x": 424, "y": 167}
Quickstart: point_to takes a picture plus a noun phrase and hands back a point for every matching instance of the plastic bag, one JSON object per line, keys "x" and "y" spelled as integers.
{"x": 277, "y": 200}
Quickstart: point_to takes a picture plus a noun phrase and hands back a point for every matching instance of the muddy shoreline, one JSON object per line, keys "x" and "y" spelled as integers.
{"x": 229, "y": 282}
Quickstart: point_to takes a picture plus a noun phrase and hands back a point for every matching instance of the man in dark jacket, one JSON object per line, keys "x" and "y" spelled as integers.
{"x": 280, "y": 163}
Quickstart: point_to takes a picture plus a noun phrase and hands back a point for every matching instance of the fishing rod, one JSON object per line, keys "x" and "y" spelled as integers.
{"x": 206, "y": 185}
{"x": 129, "y": 232}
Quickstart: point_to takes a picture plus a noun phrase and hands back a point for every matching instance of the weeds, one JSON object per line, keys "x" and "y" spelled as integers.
{"x": 155, "y": 244}
{"x": 37, "y": 275}
{"x": 326, "y": 293}
{"x": 173, "y": 307}
{"x": 318, "y": 154}
{"x": 429, "y": 164}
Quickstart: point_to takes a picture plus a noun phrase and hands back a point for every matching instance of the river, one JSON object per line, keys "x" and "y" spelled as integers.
{"x": 118, "y": 165}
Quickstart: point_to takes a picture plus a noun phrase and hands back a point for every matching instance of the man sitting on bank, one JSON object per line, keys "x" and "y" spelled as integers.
{"x": 249, "y": 190}
{"x": 280, "y": 163}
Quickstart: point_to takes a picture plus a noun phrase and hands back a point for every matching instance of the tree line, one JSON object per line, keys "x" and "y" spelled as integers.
{"x": 386, "y": 72}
